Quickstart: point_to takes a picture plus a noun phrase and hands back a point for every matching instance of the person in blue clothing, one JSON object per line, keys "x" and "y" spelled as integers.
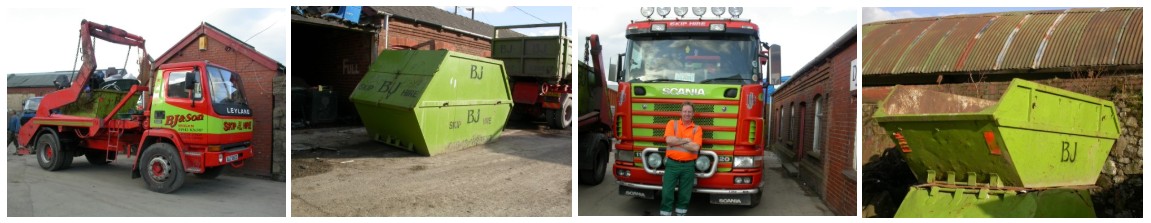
{"x": 13, "y": 125}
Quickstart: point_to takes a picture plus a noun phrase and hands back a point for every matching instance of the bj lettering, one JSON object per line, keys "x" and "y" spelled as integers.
{"x": 1070, "y": 152}
{"x": 477, "y": 74}
{"x": 473, "y": 116}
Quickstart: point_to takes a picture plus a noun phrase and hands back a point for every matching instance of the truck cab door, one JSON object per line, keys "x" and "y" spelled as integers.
{"x": 179, "y": 108}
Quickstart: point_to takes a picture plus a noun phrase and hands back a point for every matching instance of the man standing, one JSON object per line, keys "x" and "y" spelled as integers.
{"x": 683, "y": 142}
{"x": 13, "y": 125}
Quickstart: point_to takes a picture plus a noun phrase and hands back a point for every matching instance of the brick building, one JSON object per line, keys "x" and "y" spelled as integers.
{"x": 813, "y": 125}
{"x": 206, "y": 42}
{"x": 336, "y": 54}
{"x": 1092, "y": 51}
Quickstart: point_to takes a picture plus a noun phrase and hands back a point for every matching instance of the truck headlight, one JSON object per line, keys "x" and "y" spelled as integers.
{"x": 654, "y": 160}
{"x": 703, "y": 163}
{"x": 743, "y": 162}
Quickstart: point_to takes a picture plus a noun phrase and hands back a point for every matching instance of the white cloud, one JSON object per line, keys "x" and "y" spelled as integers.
{"x": 878, "y": 14}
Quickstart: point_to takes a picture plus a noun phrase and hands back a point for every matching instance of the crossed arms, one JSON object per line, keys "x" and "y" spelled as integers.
{"x": 681, "y": 144}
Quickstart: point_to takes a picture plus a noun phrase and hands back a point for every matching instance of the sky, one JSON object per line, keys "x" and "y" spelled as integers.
{"x": 42, "y": 40}
{"x": 507, "y": 15}
{"x": 882, "y": 14}
{"x": 801, "y": 32}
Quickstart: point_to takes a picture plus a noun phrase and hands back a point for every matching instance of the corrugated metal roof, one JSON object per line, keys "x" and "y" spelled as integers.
{"x": 1024, "y": 40}
{"x": 35, "y": 79}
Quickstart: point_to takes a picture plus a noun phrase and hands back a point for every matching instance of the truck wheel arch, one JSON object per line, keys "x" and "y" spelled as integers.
{"x": 153, "y": 136}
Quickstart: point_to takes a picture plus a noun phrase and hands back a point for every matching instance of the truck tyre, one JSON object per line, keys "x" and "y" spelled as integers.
{"x": 210, "y": 172}
{"x": 161, "y": 167}
{"x": 51, "y": 154}
{"x": 561, "y": 118}
{"x": 599, "y": 155}
{"x": 97, "y": 157}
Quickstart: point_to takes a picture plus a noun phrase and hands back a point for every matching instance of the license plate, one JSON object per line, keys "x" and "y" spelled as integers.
{"x": 230, "y": 158}
{"x": 731, "y": 199}
{"x": 627, "y": 191}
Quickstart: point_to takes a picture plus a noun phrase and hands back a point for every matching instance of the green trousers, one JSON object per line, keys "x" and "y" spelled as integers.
{"x": 677, "y": 175}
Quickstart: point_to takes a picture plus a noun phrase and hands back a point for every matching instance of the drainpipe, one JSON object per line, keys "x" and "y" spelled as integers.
{"x": 387, "y": 44}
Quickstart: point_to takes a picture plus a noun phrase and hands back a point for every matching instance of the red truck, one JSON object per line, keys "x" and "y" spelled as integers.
{"x": 717, "y": 64}
{"x": 192, "y": 117}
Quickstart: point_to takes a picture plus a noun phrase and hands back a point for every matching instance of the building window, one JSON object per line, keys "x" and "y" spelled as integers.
{"x": 817, "y": 130}
{"x": 800, "y": 127}
{"x": 791, "y": 125}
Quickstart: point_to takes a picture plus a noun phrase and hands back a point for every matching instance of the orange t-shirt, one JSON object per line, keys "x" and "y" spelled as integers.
{"x": 684, "y": 131}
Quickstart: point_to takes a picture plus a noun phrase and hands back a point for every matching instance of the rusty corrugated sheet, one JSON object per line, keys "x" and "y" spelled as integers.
{"x": 879, "y": 38}
{"x": 1099, "y": 38}
{"x": 985, "y": 50}
{"x": 1131, "y": 44}
{"x": 898, "y": 44}
{"x": 1004, "y": 41}
{"x": 924, "y": 46}
{"x": 1032, "y": 34}
{"x": 1063, "y": 44}
{"x": 956, "y": 44}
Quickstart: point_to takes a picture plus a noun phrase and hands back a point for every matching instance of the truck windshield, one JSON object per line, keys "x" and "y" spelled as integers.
{"x": 693, "y": 59}
{"x": 227, "y": 94}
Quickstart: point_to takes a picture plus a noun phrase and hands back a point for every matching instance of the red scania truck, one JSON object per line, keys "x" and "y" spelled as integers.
{"x": 717, "y": 64}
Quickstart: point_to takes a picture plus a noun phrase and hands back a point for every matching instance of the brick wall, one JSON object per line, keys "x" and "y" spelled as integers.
{"x": 829, "y": 81}
{"x": 408, "y": 34}
{"x": 17, "y": 95}
{"x": 1124, "y": 162}
{"x": 257, "y": 90}
{"x": 38, "y": 91}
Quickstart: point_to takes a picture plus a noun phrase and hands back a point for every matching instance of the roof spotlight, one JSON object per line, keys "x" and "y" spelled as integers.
{"x": 663, "y": 11}
{"x": 646, "y": 11}
{"x": 680, "y": 11}
{"x": 718, "y": 11}
{"x": 735, "y": 11}
{"x": 699, "y": 11}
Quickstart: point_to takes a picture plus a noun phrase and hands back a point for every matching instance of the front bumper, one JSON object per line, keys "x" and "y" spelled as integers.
{"x": 233, "y": 156}
{"x": 716, "y": 196}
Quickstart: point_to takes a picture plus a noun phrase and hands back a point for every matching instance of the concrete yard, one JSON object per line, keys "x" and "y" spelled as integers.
{"x": 85, "y": 190}
{"x": 783, "y": 197}
{"x": 340, "y": 172}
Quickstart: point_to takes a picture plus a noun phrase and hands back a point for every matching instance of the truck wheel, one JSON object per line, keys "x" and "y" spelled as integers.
{"x": 51, "y": 154}
{"x": 561, "y": 118}
{"x": 97, "y": 157}
{"x": 595, "y": 175}
{"x": 211, "y": 172}
{"x": 161, "y": 168}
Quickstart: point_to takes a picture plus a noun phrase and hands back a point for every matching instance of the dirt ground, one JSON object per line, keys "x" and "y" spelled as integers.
{"x": 527, "y": 172}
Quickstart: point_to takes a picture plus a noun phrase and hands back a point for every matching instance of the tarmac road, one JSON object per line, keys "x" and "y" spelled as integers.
{"x": 526, "y": 172}
{"x": 783, "y": 197}
{"x": 87, "y": 190}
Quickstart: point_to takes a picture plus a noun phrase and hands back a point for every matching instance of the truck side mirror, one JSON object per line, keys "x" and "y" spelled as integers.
{"x": 619, "y": 68}
{"x": 190, "y": 79}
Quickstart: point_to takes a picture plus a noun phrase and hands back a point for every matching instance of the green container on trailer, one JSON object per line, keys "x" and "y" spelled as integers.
{"x": 1034, "y": 140}
{"x": 541, "y": 57}
{"x": 586, "y": 78}
{"x": 99, "y": 103}
{"x": 430, "y": 102}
